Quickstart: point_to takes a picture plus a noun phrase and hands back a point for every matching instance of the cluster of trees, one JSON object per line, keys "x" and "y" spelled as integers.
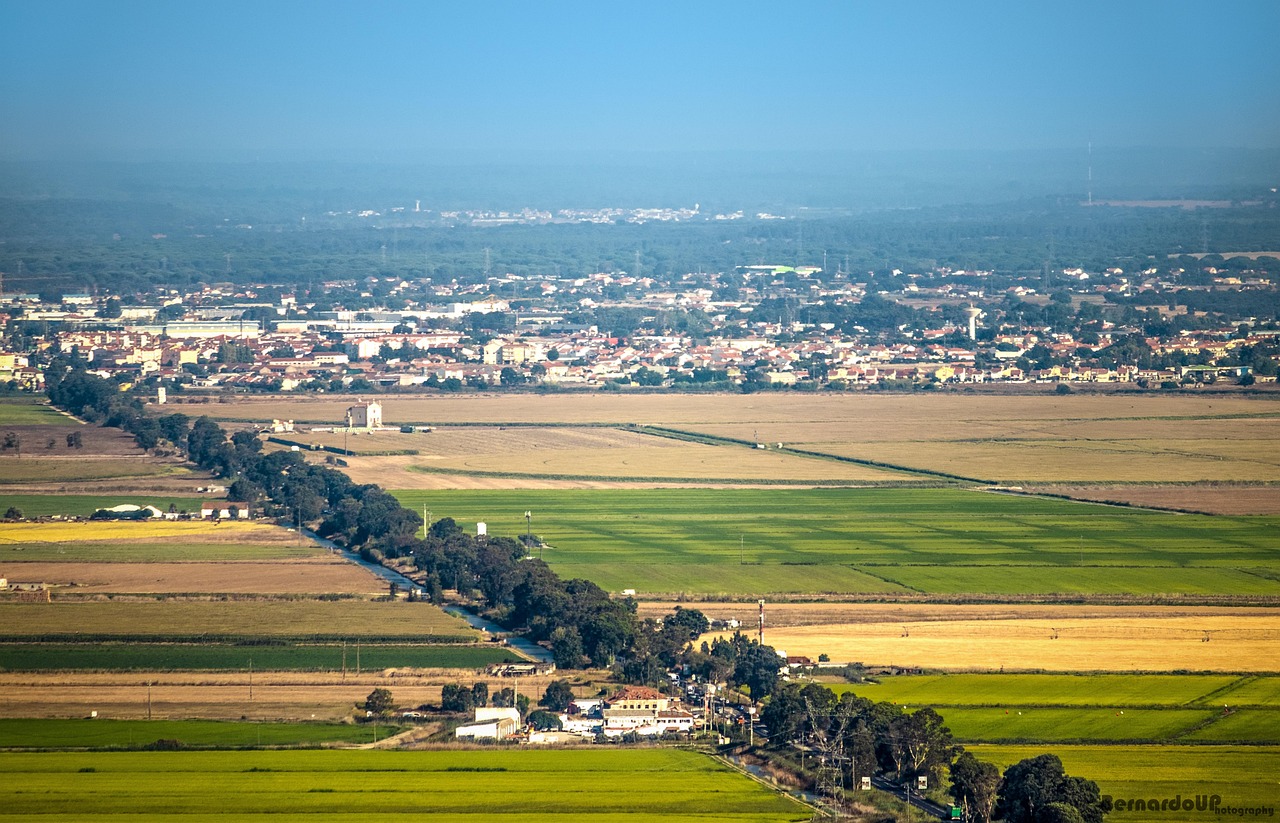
{"x": 457, "y": 698}
{"x": 866, "y": 737}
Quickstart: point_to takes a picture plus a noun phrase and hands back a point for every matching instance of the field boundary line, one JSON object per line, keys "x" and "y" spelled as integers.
{"x": 711, "y": 439}
{"x": 1227, "y": 689}
{"x": 694, "y": 482}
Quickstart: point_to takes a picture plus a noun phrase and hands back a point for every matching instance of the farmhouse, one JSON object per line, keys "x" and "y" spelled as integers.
{"x": 643, "y": 711}
{"x": 365, "y": 416}
{"x": 490, "y": 724}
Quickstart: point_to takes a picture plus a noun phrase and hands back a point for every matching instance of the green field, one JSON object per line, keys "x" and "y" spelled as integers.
{"x": 1101, "y": 708}
{"x": 30, "y": 657}
{"x": 874, "y": 540}
{"x": 209, "y": 621}
{"x": 109, "y": 734}
{"x": 1243, "y": 776}
{"x": 1105, "y": 690}
{"x": 84, "y": 505}
{"x": 1055, "y": 725}
{"x": 527, "y": 786}
{"x": 29, "y": 411}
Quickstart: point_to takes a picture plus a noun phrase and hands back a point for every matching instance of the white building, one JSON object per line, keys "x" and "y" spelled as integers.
{"x": 365, "y": 416}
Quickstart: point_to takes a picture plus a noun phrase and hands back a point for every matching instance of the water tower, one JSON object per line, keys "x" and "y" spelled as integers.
{"x": 972, "y": 313}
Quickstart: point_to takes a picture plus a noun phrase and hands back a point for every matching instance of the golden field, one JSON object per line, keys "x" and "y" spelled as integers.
{"x": 146, "y": 531}
{"x": 1237, "y": 643}
{"x": 1081, "y": 438}
{"x": 588, "y": 453}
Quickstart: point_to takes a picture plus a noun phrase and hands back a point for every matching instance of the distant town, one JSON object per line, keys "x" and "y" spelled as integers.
{"x": 757, "y": 327}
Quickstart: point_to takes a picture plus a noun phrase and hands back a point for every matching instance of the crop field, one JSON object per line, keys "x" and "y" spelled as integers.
{"x": 1103, "y": 708}
{"x": 151, "y": 541}
{"x": 528, "y": 786}
{"x": 128, "y": 734}
{"x": 587, "y": 453}
{"x": 260, "y": 695}
{"x": 28, "y": 411}
{"x": 1011, "y": 438}
{"x": 171, "y": 620}
{"x": 908, "y": 540}
{"x": 1224, "y": 498}
{"x": 84, "y": 505}
{"x": 1063, "y": 644}
{"x": 50, "y": 470}
{"x": 1051, "y": 725}
{"x": 1242, "y": 776}
{"x": 32, "y": 657}
{"x": 319, "y": 576}
{"x": 1106, "y": 690}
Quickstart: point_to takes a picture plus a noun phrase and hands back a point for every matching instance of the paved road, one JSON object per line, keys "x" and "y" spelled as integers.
{"x": 923, "y": 804}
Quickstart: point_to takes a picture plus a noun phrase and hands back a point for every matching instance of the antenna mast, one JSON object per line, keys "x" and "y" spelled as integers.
{"x": 1090, "y": 172}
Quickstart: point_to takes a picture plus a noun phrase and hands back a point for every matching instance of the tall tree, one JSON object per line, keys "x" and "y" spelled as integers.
{"x": 973, "y": 786}
{"x": 1032, "y": 785}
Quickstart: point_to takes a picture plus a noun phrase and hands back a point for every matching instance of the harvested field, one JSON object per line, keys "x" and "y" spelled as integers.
{"x": 225, "y": 696}
{"x": 213, "y": 619}
{"x": 1009, "y": 438}
{"x": 590, "y": 453}
{"x": 315, "y": 576}
{"x": 1226, "y": 499}
{"x": 777, "y": 410}
{"x": 791, "y": 615}
{"x": 1237, "y": 644}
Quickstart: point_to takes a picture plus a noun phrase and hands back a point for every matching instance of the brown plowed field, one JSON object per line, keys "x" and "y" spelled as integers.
{"x": 1206, "y": 498}
{"x": 276, "y": 695}
{"x": 306, "y": 576}
{"x": 1010, "y": 438}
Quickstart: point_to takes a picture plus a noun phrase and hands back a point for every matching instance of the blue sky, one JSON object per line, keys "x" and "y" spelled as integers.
{"x": 192, "y": 79}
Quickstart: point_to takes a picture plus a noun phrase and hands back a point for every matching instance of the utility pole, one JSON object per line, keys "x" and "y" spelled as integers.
{"x": 250, "y": 678}
{"x": 148, "y": 699}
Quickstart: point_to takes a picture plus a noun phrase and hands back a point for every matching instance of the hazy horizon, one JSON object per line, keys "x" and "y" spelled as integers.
{"x": 403, "y": 82}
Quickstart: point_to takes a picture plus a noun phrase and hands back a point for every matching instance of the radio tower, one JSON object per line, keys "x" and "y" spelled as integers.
{"x": 487, "y": 262}
{"x": 1090, "y": 172}
{"x": 761, "y": 623}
